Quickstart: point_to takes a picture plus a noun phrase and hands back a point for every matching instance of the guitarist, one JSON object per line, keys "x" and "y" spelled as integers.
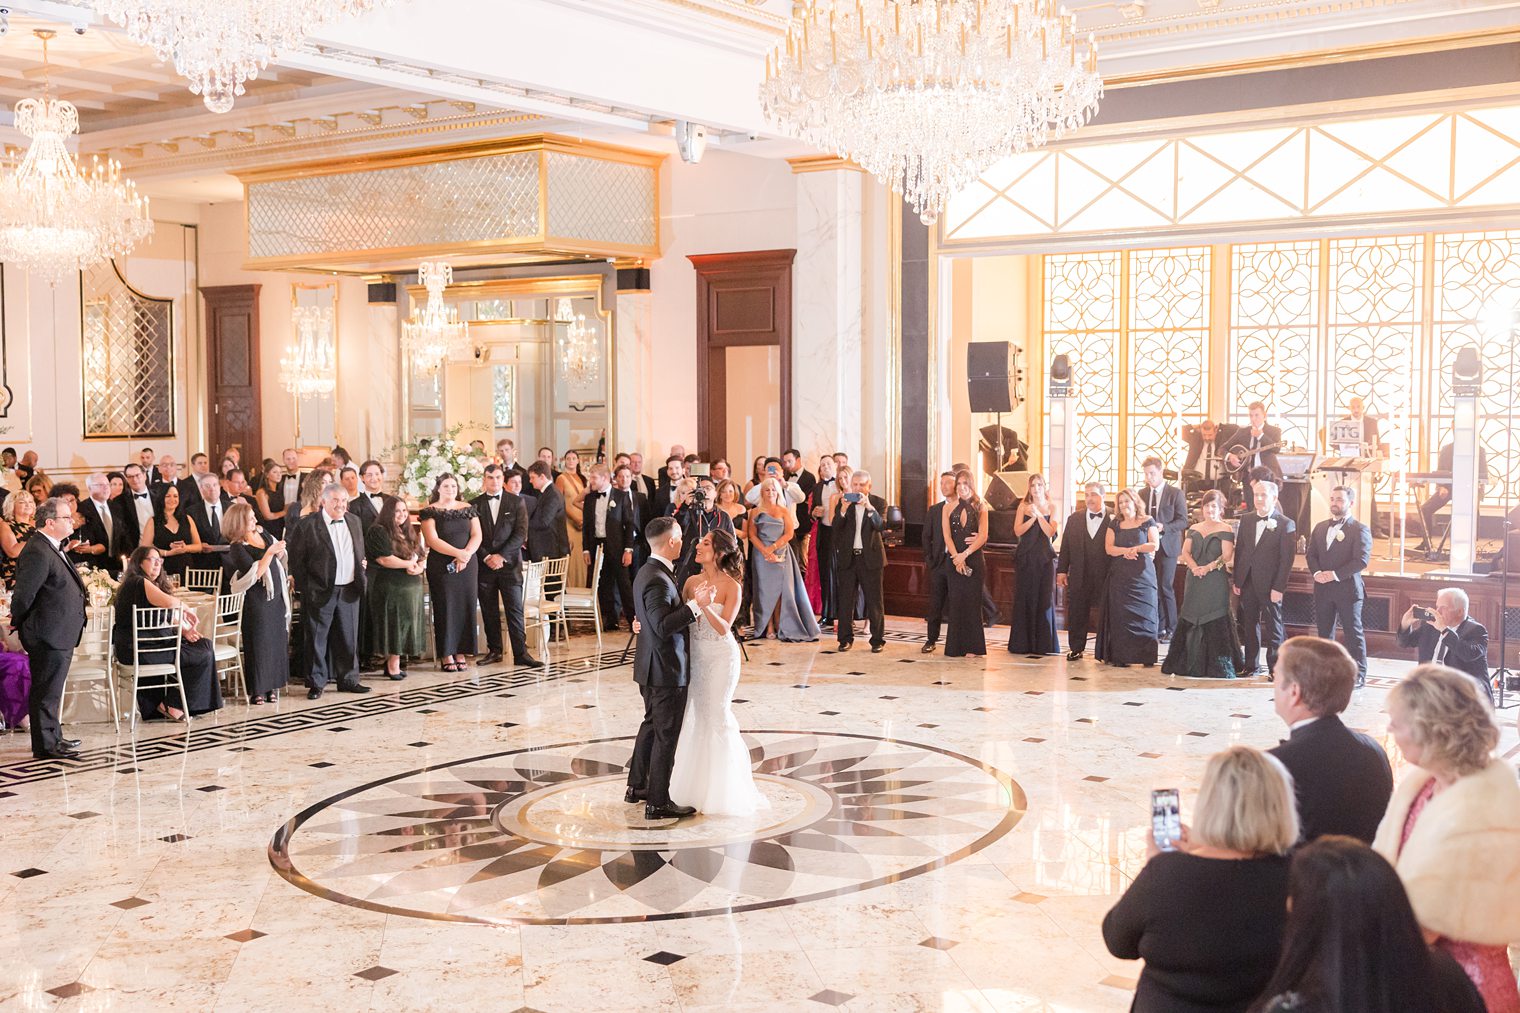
{"x": 1255, "y": 446}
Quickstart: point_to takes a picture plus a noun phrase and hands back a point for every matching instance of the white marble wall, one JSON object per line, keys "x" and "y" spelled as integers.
{"x": 827, "y": 311}
{"x": 634, "y": 374}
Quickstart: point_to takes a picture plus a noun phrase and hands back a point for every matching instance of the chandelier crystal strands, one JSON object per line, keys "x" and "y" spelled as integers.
{"x": 309, "y": 367}
{"x": 579, "y": 357}
{"x": 220, "y": 44}
{"x": 54, "y": 219}
{"x": 926, "y": 95}
{"x": 434, "y": 334}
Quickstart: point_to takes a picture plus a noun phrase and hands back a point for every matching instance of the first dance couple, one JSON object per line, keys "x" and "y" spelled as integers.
{"x": 689, "y": 756}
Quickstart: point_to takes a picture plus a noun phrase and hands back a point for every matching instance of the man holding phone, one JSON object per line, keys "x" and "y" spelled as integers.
{"x": 859, "y": 559}
{"x": 1448, "y": 636}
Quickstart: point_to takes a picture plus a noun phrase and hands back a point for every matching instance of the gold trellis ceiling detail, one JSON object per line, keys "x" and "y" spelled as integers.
{"x": 476, "y": 203}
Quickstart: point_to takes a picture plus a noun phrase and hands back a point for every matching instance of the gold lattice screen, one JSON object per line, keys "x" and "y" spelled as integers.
{"x": 128, "y": 358}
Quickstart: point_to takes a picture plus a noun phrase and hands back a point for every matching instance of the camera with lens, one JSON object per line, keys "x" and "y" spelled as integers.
{"x": 702, "y": 496}
{"x": 1425, "y": 613}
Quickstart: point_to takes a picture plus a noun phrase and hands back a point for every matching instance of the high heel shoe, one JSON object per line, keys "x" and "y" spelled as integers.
{"x": 270, "y": 697}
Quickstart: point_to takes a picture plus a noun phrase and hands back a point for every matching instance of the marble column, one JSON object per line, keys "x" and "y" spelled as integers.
{"x": 384, "y": 408}
{"x": 827, "y": 312}
{"x": 633, "y": 393}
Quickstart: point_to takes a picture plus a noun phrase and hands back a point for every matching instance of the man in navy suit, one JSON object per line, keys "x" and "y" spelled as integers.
{"x": 1082, "y": 567}
{"x": 1167, "y": 506}
{"x": 1264, "y": 550}
{"x": 1339, "y": 550}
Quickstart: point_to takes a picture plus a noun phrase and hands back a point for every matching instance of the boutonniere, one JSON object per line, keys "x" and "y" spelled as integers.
{"x": 1339, "y": 535}
{"x": 1271, "y": 524}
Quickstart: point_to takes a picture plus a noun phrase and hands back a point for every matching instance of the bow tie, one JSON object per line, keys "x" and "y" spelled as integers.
{"x": 139, "y": 495}
{"x": 493, "y": 497}
{"x": 335, "y": 521}
{"x": 1094, "y": 517}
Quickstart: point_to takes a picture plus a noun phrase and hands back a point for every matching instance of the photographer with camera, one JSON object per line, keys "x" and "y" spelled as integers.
{"x": 1448, "y": 636}
{"x": 696, "y": 510}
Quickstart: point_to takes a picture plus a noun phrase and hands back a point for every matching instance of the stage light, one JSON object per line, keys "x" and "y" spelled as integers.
{"x": 1466, "y": 372}
{"x": 1060, "y": 376}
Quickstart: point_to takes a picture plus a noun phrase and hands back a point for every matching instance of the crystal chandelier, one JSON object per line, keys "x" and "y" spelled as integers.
{"x": 434, "y": 333}
{"x": 55, "y": 219}
{"x": 309, "y": 367}
{"x": 220, "y": 44}
{"x": 579, "y": 357}
{"x": 926, "y": 95}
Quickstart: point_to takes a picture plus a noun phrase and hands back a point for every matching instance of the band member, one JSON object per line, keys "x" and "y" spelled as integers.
{"x": 1339, "y": 550}
{"x": 1206, "y": 447}
{"x": 1442, "y": 494}
{"x": 1356, "y": 426}
{"x": 1255, "y": 446}
{"x": 1264, "y": 550}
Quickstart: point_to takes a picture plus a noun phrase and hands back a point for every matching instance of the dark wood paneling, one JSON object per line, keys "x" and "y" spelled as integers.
{"x": 232, "y": 370}
{"x": 742, "y": 299}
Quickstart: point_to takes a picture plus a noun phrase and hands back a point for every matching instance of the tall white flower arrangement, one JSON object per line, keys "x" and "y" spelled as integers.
{"x": 426, "y": 458}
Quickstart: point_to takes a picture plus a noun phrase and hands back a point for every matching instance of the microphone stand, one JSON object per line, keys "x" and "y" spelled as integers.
{"x": 1504, "y": 528}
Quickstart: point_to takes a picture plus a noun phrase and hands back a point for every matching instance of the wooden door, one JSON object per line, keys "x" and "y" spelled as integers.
{"x": 232, "y": 371}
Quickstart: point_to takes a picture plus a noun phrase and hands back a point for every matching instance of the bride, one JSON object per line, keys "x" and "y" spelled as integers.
{"x": 712, "y": 770}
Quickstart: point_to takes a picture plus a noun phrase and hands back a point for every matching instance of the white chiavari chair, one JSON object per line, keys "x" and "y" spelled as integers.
{"x": 535, "y": 622}
{"x": 227, "y": 643}
{"x": 91, "y": 669}
{"x": 207, "y": 581}
{"x": 556, "y": 574}
{"x": 154, "y": 631}
{"x": 582, "y": 602}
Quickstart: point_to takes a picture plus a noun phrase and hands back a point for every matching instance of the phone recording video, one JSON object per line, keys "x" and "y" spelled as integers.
{"x": 1166, "y": 818}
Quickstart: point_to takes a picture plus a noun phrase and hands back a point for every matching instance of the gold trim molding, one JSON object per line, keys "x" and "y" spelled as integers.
{"x": 821, "y": 163}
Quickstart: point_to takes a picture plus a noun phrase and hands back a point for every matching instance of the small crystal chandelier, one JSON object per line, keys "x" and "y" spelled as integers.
{"x": 54, "y": 219}
{"x": 580, "y": 361}
{"x": 926, "y": 95}
{"x": 434, "y": 333}
{"x": 221, "y": 44}
{"x": 309, "y": 367}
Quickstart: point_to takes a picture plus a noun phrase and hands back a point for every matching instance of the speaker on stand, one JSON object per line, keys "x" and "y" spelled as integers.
{"x": 994, "y": 384}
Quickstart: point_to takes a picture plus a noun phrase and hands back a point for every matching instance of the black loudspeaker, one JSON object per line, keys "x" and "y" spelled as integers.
{"x": 992, "y": 374}
{"x": 1006, "y": 489}
{"x": 1000, "y": 527}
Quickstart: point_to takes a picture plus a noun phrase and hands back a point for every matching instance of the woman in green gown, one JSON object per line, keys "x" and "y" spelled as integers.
{"x": 397, "y": 625}
{"x": 1206, "y": 644}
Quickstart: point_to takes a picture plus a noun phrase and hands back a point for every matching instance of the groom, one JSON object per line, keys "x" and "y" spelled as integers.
{"x": 659, "y": 667}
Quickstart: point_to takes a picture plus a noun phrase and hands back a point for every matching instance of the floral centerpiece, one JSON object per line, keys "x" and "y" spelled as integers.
{"x": 427, "y": 457}
{"x": 99, "y": 584}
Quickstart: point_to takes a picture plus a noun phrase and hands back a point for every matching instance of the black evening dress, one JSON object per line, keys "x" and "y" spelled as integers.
{"x": 1206, "y": 644}
{"x": 163, "y": 539}
{"x": 197, "y": 661}
{"x": 1033, "y": 624}
{"x": 454, "y": 594}
{"x": 266, "y": 621}
{"x": 396, "y": 621}
{"x": 963, "y": 634}
{"x": 275, "y": 528}
{"x": 1128, "y": 627}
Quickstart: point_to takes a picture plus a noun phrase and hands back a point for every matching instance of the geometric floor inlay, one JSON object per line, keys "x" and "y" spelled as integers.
{"x": 542, "y": 836}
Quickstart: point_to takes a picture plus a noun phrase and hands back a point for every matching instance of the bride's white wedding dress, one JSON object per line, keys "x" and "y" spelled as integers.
{"x": 712, "y": 770}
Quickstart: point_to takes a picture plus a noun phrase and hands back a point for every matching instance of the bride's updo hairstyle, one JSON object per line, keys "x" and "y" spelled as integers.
{"x": 726, "y": 554}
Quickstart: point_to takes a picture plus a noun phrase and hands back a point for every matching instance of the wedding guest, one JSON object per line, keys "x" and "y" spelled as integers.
{"x": 1208, "y": 917}
{"x": 166, "y": 474}
{"x": 451, "y": 530}
{"x": 608, "y": 532}
{"x": 720, "y": 471}
{"x": 823, "y": 540}
{"x": 1205, "y": 644}
{"x": 269, "y": 500}
{"x": 348, "y": 478}
{"x": 795, "y": 475}
{"x": 372, "y": 499}
{"x": 963, "y": 530}
{"x": 95, "y": 527}
{"x": 546, "y": 455}
{"x": 1352, "y": 942}
{"x": 859, "y": 559}
{"x": 506, "y": 453}
{"x": 1449, "y": 636}
{"x": 47, "y": 610}
{"x": 1082, "y": 567}
{"x": 290, "y": 485}
{"x": 28, "y": 466}
{"x": 1167, "y": 506}
{"x": 310, "y": 502}
{"x": 134, "y": 511}
{"x": 341, "y": 457}
{"x": 15, "y": 684}
{"x": 144, "y": 585}
{"x": 1264, "y": 550}
{"x": 326, "y": 552}
{"x": 792, "y": 493}
{"x": 571, "y": 485}
{"x": 1339, "y": 549}
{"x": 642, "y": 483}
{"x": 117, "y": 483}
{"x": 937, "y": 567}
{"x": 40, "y": 487}
{"x": 730, "y": 501}
{"x": 756, "y": 476}
{"x": 504, "y": 530}
{"x": 189, "y": 485}
{"x": 256, "y": 566}
{"x": 397, "y": 623}
{"x": 637, "y": 504}
{"x": 546, "y": 516}
{"x": 1452, "y": 829}
{"x": 145, "y": 461}
{"x": 1032, "y": 631}
{"x": 1127, "y": 630}
{"x": 172, "y": 535}
{"x": 780, "y": 606}
{"x": 16, "y": 516}
{"x": 664, "y": 501}
{"x": 205, "y": 513}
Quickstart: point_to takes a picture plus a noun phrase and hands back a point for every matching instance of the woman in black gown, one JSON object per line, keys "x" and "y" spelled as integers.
{"x": 1033, "y": 629}
{"x": 451, "y": 529}
{"x": 144, "y": 585}
{"x": 1131, "y": 617}
{"x": 256, "y": 565}
{"x": 173, "y": 535}
{"x": 269, "y": 499}
{"x": 965, "y": 532}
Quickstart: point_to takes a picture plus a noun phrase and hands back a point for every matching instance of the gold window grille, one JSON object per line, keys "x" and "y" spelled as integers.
{"x": 127, "y": 358}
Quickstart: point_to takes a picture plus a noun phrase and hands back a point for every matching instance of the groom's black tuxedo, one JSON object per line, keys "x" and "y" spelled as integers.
{"x": 660, "y": 669}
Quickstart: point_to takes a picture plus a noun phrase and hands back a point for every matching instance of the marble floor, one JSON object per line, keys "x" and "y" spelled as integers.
{"x": 942, "y": 835}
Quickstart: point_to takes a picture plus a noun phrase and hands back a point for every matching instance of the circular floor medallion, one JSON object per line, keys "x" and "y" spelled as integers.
{"x": 542, "y": 835}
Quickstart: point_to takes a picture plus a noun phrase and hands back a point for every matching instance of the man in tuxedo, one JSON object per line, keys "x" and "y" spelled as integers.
{"x": 546, "y": 519}
{"x": 664, "y": 499}
{"x": 28, "y": 467}
{"x": 326, "y": 554}
{"x": 637, "y": 505}
{"x": 642, "y": 484}
{"x": 660, "y": 669}
{"x": 1264, "y": 551}
{"x": 168, "y": 474}
{"x": 936, "y": 560}
{"x": 200, "y": 467}
{"x": 1206, "y": 446}
{"x": 290, "y": 484}
{"x": 506, "y": 450}
{"x": 859, "y": 559}
{"x": 1082, "y": 567}
{"x": 371, "y": 498}
{"x": 504, "y": 529}
{"x": 1448, "y": 636}
{"x": 145, "y": 461}
{"x": 1339, "y": 549}
{"x": 1342, "y": 778}
{"x": 1167, "y": 506}
{"x": 1245, "y": 451}
{"x": 47, "y": 610}
{"x": 134, "y": 509}
{"x": 608, "y": 529}
{"x": 796, "y": 475}
{"x": 206, "y": 511}
{"x": 720, "y": 471}
{"x": 95, "y": 527}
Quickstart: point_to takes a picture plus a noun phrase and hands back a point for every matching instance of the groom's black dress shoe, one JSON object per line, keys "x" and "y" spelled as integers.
{"x": 668, "y": 812}
{"x": 61, "y": 753}
{"x": 633, "y": 795}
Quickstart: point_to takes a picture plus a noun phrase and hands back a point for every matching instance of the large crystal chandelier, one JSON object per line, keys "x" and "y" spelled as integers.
{"x": 309, "y": 367}
{"x": 434, "y": 334}
{"x": 926, "y": 95}
{"x": 54, "y": 219}
{"x": 220, "y": 44}
{"x": 580, "y": 360}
